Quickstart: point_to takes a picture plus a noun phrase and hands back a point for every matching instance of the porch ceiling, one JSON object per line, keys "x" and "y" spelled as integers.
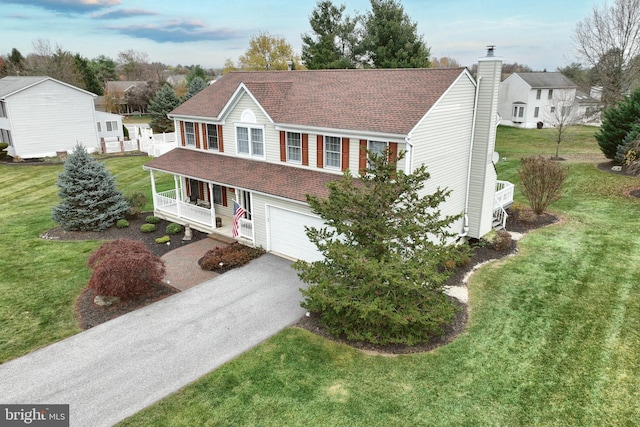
{"x": 270, "y": 178}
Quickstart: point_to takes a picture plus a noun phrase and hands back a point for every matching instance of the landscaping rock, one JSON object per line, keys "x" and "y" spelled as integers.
{"x": 104, "y": 301}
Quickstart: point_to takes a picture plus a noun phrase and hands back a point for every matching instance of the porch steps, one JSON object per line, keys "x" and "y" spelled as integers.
{"x": 222, "y": 238}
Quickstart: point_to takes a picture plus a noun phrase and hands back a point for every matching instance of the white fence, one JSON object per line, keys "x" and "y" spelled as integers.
{"x": 153, "y": 144}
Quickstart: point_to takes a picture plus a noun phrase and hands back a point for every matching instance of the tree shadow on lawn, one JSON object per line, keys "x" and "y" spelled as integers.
{"x": 519, "y": 221}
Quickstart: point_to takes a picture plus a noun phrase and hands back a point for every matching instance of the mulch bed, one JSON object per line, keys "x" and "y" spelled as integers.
{"x": 89, "y": 314}
{"x": 481, "y": 254}
{"x": 132, "y": 232}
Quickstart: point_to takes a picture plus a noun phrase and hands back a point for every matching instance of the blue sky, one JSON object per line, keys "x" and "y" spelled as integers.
{"x": 206, "y": 32}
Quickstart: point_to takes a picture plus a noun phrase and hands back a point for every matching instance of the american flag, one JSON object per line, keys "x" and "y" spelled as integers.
{"x": 238, "y": 212}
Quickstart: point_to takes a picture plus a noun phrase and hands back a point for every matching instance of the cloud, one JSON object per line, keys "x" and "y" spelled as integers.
{"x": 123, "y": 13}
{"x": 176, "y": 32}
{"x": 67, "y": 6}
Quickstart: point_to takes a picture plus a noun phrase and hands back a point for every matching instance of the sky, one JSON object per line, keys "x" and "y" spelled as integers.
{"x": 207, "y": 32}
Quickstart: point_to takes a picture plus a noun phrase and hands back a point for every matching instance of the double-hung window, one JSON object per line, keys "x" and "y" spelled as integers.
{"x": 250, "y": 141}
{"x": 294, "y": 147}
{"x": 536, "y": 112}
{"x": 377, "y": 147}
{"x": 550, "y": 94}
{"x": 538, "y": 93}
{"x": 189, "y": 133}
{"x": 99, "y": 126}
{"x": 332, "y": 151}
{"x": 112, "y": 125}
{"x": 212, "y": 137}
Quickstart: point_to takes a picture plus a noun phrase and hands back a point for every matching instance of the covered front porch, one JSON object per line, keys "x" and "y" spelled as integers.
{"x": 203, "y": 206}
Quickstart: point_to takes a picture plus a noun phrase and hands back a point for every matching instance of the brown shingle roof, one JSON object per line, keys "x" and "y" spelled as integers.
{"x": 269, "y": 178}
{"x": 379, "y": 100}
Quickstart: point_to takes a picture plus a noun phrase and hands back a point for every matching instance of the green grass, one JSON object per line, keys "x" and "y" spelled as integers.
{"x": 42, "y": 279}
{"x": 514, "y": 143}
{"x": 552, "y": 338}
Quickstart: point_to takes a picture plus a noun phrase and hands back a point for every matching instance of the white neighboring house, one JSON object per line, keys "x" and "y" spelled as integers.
{"x": 109, "y": 126}
{"x": 264, "y": 140}
{"x": 41, "y": 116}
{"x": 529, "y": 98}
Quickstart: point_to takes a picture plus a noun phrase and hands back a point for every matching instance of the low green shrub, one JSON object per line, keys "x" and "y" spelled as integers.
{"x": 173, "y": 228}
{"x": 137, "y": 201}
{"x": 148, "y": 228}
{"x": 122, "y": 223}
{"x": 3, "y": 146}
{"x": 224, "y": 259}
{"x": 152, "y": 219}
{"x": 163, "y": 239}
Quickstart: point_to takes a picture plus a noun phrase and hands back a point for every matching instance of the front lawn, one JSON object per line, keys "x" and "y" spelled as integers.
{"x": 41, "y": 279}
{"x": 552, "y": 339}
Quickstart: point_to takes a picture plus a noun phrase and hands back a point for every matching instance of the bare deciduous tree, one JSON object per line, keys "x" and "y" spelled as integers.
{"x": 561, "y": 115}
{"x": 609, "y": 41}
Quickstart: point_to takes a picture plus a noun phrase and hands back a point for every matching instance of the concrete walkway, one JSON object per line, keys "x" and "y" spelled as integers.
{"x": 118, "y": 368}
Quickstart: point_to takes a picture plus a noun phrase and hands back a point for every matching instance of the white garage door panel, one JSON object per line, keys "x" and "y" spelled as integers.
{"x": 287, "y": 235}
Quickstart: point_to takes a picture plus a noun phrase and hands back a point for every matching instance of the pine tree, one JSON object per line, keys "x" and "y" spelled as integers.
{"x": 162, "y": 104}
{"x": 617, "y": 122}
{"x": 90, "y": 200}
{"x": 196, "y": 85}
{"x": 391, "y": 39}
{"x": 386, "y": 257}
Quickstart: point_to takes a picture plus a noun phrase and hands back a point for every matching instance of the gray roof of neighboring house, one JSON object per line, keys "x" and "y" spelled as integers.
{"x": 13, "y": 84}
{"x": 124, "y": 85}
{"x": 544, "y": 80}
{"x": 377, "y": 100}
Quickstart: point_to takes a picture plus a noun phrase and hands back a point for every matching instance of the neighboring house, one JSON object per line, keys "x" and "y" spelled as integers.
{"x": 120, "y": 97}
{"x": 264, "y": 140}
{"x": 177, "y": 79}
{"x": 109, "y": 126}
{"x": 589, "y": 106}
{"x": 41, "y": 117}
{"x": 527, "y": 99}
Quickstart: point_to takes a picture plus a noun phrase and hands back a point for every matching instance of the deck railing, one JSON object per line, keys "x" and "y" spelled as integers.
{"x": 503, "y": 199}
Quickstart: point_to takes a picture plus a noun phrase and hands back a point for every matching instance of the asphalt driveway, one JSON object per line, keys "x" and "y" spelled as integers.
{"x": 122, "y": 366}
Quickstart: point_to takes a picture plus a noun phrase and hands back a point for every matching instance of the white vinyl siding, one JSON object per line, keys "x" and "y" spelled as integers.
{"x": 445, "y": 134}
{"x": 271, "y": 137}
{"x": 49, "y": 117}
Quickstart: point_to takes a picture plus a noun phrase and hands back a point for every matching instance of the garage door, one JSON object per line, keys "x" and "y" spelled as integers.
{"x": 287, "y": 236}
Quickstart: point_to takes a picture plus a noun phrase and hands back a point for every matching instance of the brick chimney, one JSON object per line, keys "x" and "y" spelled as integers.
{"x": 483, "y": 177}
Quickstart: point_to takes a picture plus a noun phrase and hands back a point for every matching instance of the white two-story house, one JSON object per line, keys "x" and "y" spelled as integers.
{"x": 41, "y": 117}
{"x": 264, "y": 140}
{"x": 527, "y": 99}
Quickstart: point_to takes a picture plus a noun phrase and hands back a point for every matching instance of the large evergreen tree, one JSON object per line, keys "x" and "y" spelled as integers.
{"x": 196, "y": 85}
{"x": 391, "y": 39}
{"x": 90, "y": 200}
{"x": 617, "y": 122}
{"x": 162, "y": 104}
{"x": 385, "y": 257}
{"x": 334, "y": 40}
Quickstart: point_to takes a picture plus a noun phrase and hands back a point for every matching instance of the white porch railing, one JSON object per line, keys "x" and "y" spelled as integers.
{"x": 166, "y": 201}
{"x": 503, "y": 198}
{"x": 245, "y": 229}
{"x": 504, "y": 194}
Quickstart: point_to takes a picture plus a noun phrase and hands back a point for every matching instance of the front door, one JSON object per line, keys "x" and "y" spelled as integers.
{"x": 194, "y": 190}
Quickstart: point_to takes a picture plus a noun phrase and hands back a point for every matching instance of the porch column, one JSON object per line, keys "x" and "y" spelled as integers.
{"x": 178, "y": 193}
{"x": 212, "y": 204}
{"x": 154, "y": 193}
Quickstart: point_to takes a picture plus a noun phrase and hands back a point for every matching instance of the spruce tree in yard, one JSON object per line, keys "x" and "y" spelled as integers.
{"x": 162, "y": 104}
{"x": 617, "y": 122}
{"x": 90, "y": 200}
{"x": 386, "y": 257}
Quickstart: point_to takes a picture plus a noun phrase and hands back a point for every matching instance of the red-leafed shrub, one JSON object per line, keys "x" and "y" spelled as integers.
{"x": 224, "y": 259}
{"x": 124, "y": 268}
